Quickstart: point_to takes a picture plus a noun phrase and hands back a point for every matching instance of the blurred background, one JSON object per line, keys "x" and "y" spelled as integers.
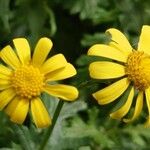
{"x": 74, "y": 26}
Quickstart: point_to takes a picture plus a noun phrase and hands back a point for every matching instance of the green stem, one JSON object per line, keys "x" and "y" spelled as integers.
{"x": 50, "y": 129}
{"x": 87, "y": 83}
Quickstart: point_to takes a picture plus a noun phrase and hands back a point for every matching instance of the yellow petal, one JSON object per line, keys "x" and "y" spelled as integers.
{"x": 5, "y": 81}
{"x": 18, "y": 109}
{"x": 56, "y": 62}
{"x": 41, "y": 51}
{"x": 9, "y": 57}
{"x": 147, "y": 123}
{"x": 65, "y": 92}
{"x": 3, "y": 87}
{"x": 111, "y": 92}
{"x": 120, "y": 41}
{"x": 120, "y": 113}
{"x": 144, "y": 44}
{"x": 4, "y": 84}
{"x": 108, "y": 52}
{"x": 23, "y": 50}
{"x": 62, "y": 73}
{"x": 12, "y": 105}
{"x": 5, "y": 72}
{"x": 138, "y": 108}
{"x": 106, "y": 70}
{"x": 39, "y": 113}
{"x": 6, "y": 96}
{"x": 147, "y": 93}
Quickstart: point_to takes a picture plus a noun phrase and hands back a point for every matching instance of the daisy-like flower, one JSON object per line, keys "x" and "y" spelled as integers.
{"x": 24, "y": 79}
{"x": 130, "y": 69}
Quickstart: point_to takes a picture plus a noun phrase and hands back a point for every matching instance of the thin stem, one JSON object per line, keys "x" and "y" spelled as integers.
{"x": 50, "y": 129}
{"x": 87, "y": 83}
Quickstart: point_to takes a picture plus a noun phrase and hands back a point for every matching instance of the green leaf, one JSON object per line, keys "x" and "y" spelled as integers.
{"x": 5, "y": 14}
{"x": 97, "y": 38}
{"x": 84, "y": 148}
{"x": 24, "y": 137}
{"x": 36, "y": 19}
{"x": 85, "y": 60}
{"x": 80, "y": 129}
{"x": 52, "y": 21}
{"x": 69, "y": 110}
{"x": 138, "y": 134}
{"x": 93, "y": 10}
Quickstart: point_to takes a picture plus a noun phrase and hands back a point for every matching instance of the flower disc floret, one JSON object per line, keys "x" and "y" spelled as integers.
{"x": 27, "y": 81}
{"x": 138, "y": 69}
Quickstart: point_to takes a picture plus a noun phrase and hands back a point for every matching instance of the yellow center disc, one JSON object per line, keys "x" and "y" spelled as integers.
{"x": 138, "y": 69}
{"x": 28, "y": 81}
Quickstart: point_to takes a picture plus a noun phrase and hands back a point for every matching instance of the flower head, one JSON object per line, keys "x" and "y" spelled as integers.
{"x": 24, "y": 79}
{"x": 131, "y": 68}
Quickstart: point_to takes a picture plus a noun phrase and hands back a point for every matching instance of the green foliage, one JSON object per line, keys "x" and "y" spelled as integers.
{"x": 94, "y": 11}
{"x": 89, "y": 39}
{"x": 74, "y": 26}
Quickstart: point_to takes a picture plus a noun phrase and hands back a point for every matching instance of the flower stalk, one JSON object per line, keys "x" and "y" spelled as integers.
{"x": 50, "y": 129}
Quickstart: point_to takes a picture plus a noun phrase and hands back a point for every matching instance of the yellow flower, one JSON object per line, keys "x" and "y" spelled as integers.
{"x": 130, "y": 69}
{"x": 25, "y": 78}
